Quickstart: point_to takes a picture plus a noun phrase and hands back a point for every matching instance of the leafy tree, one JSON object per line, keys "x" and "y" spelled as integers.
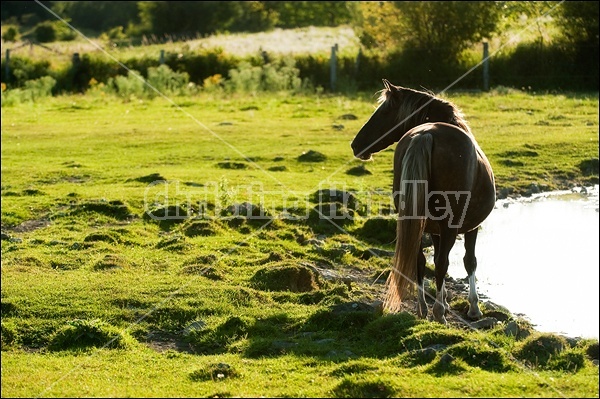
{"x": 296, "y": 14}
{"x": 45, "y": 32}
{"x": 204, "y": 17}
{"x": 578, "y": 21}
{"x": 98, "y": 16}
{"x": 436, "y": 29}
{"x": 25, "y": 12}
{"x": 11, "y": 34}
{"x": 528, "y": 15}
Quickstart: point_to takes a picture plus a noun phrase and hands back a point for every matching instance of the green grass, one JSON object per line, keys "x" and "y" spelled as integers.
{"x": 100, "y": 300}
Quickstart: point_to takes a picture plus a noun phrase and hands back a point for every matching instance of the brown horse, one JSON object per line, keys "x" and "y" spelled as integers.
{"x": 443, "y": 185}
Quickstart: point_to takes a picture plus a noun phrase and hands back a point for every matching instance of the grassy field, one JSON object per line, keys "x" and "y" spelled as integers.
{"x": 130, "y": 269}
{"x": 309, "y": 40}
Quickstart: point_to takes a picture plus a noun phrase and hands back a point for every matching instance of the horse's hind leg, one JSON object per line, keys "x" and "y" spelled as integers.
{"x": 471, "y": 265}
{"x": 446, "y": 242}
{"x": 436, "y": 250}
{"x": 421, "y": 304}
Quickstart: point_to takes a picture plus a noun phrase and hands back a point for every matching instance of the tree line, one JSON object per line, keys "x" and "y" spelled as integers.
{"x": 202, "y": 18}
{"x": 388, "y": 25}
{"x": 434, "y": 37}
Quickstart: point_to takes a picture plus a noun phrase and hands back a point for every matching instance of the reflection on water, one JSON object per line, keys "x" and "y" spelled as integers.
{"x": 539, "y": 257}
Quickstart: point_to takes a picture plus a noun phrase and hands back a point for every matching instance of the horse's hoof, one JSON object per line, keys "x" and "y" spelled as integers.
{"x": 422, "y": 309}
{"x": 474, "y": 314}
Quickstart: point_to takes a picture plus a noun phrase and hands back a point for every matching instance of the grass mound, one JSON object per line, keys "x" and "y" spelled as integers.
{"x": 589, "y": 166}
{"x": 328, "y": 195}
{"x": 115, "y": 209}
{"x": 111, "y": 261}
{"x": 312, "y": 156}
{"x": 550, "y": 352}
{"x": 378, "y": 230}
{"x": 151, "y": 178}
{"x": 330, "y": 217}
{"x": 203, "y": 228}
{"x": 423, "y": 339}
{"x": 359, "y": 170}
{"x": 233, "y": 165}
{"x": 363, "y": 387}
{"x": 218, "y": 339}
{"x": 214, "y": 372}
{"x": 166, "y": 216}
{"x": 82, "y": 334}
{"x": 478, "y": 354}
{"x": 108, "y": 236}
{"x": 286, "y": 277}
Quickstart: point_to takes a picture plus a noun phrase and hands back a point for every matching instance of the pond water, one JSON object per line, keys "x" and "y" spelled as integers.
{"x": 538, "y": 257}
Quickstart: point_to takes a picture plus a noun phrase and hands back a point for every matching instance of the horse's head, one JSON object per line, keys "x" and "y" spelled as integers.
{"x": 380, "y": 131}
{"x": 400, "y": 109}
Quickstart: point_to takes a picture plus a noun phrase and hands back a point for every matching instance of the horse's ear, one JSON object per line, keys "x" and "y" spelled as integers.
{"x": 389, "y": 86}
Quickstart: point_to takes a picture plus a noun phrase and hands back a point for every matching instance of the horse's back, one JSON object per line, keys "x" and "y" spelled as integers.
{"x": 458, "y": 166}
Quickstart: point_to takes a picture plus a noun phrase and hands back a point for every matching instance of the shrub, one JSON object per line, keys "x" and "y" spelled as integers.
{"x": 41, "y": 87}
{"x": 11, "y": 34}
{"x": 128, "y": 86}
{"x": 44, "y": 32}
{"x": 24, "y": 69}
{"x": 166, "y": 81}
{"x": 277, "y": 76}
{"x": 32, "y": 91}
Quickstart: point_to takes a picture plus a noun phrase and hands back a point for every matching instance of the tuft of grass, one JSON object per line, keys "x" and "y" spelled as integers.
{"x": 109, "y": 262}
{"x": 312, "y": 156}
{"x": 379, "y": 230}
{"x": 115, "y": 208}
{"x": 359, "y": 170}
{"x": 151, "y": 178}
{"x": 83, "y": 334}
{"x": 478, "y": 354}
{"x": 363, "y": 387}
{"x": 286, "y": 277}
{"x": 427, "y": 338}
{"x": 539, "y": 349}
{"x": 214, "y": 372}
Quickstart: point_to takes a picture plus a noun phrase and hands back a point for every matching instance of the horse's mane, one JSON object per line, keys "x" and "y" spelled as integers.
{"x": 419, "y": 107}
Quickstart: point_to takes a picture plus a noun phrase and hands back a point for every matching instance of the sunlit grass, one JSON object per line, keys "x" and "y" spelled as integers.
{"x": 266, "y": 306}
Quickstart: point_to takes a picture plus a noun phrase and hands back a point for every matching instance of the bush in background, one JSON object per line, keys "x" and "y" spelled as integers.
{"x": 33, "y": 90}
{"x": 281, "y": 75}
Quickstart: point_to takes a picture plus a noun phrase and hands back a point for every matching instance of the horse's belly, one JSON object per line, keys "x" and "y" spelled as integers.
{"x": 460, "y": 218}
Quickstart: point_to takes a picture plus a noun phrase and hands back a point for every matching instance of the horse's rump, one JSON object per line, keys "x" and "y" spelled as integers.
{"x": 460, "y": 189}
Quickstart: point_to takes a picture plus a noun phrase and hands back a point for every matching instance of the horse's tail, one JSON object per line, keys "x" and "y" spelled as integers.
{"x": 416, "y": 166}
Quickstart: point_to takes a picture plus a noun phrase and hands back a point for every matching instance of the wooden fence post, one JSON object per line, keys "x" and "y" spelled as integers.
{"x": 357, "y": 63}
{"x": 7, "y": 66}
{"x": 161, "y": 60}
{"x": 333, "y": 67}
{"x": 486, "y": 67}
